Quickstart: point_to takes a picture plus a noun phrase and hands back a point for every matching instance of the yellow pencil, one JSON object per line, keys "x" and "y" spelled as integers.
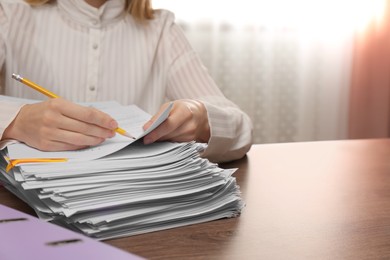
{"x": 52, "y": 95}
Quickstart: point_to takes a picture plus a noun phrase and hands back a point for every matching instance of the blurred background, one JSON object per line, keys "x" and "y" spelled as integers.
{"x": 303, "y": 70}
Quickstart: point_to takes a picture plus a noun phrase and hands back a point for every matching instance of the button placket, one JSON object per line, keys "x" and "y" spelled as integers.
{"x": 93, "y": 64}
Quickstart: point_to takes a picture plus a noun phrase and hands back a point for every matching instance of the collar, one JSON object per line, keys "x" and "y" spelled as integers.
{"x": 80, "y": 11}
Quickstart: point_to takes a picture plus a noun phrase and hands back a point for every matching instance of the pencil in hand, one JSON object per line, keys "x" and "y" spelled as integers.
{"x": 52, "y": 95}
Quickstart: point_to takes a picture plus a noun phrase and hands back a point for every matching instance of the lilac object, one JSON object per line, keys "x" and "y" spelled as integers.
{"x": 25, "y": 237}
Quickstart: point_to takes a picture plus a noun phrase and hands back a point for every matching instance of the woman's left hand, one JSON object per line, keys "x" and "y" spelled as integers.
{"x": 187, "y": 121}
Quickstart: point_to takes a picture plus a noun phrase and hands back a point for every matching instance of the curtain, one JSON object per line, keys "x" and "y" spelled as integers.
{"x": 293, "y": 88}
{"x": 285, "y": 63}
{"x": 370, "y": 84}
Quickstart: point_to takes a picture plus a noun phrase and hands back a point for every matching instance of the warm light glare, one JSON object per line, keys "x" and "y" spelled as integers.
{"x": 303, "y": 14}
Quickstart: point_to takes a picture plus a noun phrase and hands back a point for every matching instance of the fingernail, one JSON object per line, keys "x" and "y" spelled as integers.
{"x": 147, "y": 124}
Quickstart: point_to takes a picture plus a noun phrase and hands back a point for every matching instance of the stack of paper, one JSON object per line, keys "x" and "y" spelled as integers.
{"x": 123, "y": 187}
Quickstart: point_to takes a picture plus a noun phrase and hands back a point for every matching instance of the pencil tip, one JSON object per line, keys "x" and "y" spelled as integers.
{"x": 130, "y": 136}
{"x": 125, "y": 133}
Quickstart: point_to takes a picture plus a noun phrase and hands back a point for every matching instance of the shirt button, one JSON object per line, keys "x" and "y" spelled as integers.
{"x": 95, "y": 46}
{"x": 92, "y": 88}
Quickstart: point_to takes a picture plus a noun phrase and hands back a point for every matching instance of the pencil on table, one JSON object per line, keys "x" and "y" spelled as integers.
{"x": 52, "y": 95}
{"x": 14, "y": 162}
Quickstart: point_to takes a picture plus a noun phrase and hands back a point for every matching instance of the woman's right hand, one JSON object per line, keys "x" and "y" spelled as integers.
{"x": 58, "y": 125}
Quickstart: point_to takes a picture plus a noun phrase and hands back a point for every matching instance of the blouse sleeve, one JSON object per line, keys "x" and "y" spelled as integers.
{"x": 8, "y": 108}
{"x": 231, "y": 128}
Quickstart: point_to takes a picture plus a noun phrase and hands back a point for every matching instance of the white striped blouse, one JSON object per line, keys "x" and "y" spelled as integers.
{"x": 86, "y": 54}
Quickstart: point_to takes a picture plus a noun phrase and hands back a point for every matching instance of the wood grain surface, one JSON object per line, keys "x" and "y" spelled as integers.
{"x": 312, "y": 200}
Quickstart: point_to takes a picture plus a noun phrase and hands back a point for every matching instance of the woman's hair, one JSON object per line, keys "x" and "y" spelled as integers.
{"x": 139, "y": 9}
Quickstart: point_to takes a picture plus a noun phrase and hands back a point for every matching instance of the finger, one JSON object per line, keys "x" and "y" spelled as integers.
{"x": 157, "y": 115}
{"x": 48, "y": 144}
{"x": 60, "y": 140}
{"x": 70, "y": 124}
{"x": 168, "y": 127}
{"x": 185, "y": 133}
{"x": 86, "y": 114}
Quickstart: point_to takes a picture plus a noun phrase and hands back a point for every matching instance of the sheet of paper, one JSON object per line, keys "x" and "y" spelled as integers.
{"x": 130, "y": 118}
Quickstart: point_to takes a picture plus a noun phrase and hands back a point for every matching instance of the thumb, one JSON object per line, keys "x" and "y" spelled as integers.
{"x": 151, "y": 120}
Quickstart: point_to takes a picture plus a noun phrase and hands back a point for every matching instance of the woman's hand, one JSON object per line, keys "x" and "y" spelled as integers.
{"x": 187, "y": 121}
{"x": 58, "y": 125}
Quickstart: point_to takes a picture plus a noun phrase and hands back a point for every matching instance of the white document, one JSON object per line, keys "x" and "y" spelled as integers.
{"x": 130, "y": 118}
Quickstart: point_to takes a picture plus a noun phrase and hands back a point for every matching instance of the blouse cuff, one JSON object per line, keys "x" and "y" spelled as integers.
{"x": 221, "y": 135}
{"x": 9, "y": 111}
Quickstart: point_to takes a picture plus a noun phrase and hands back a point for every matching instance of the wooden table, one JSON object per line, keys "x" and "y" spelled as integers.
{"x": 315, "y": 200}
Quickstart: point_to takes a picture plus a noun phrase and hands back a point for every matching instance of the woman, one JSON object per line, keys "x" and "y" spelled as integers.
{"x": 94, "y": 50}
